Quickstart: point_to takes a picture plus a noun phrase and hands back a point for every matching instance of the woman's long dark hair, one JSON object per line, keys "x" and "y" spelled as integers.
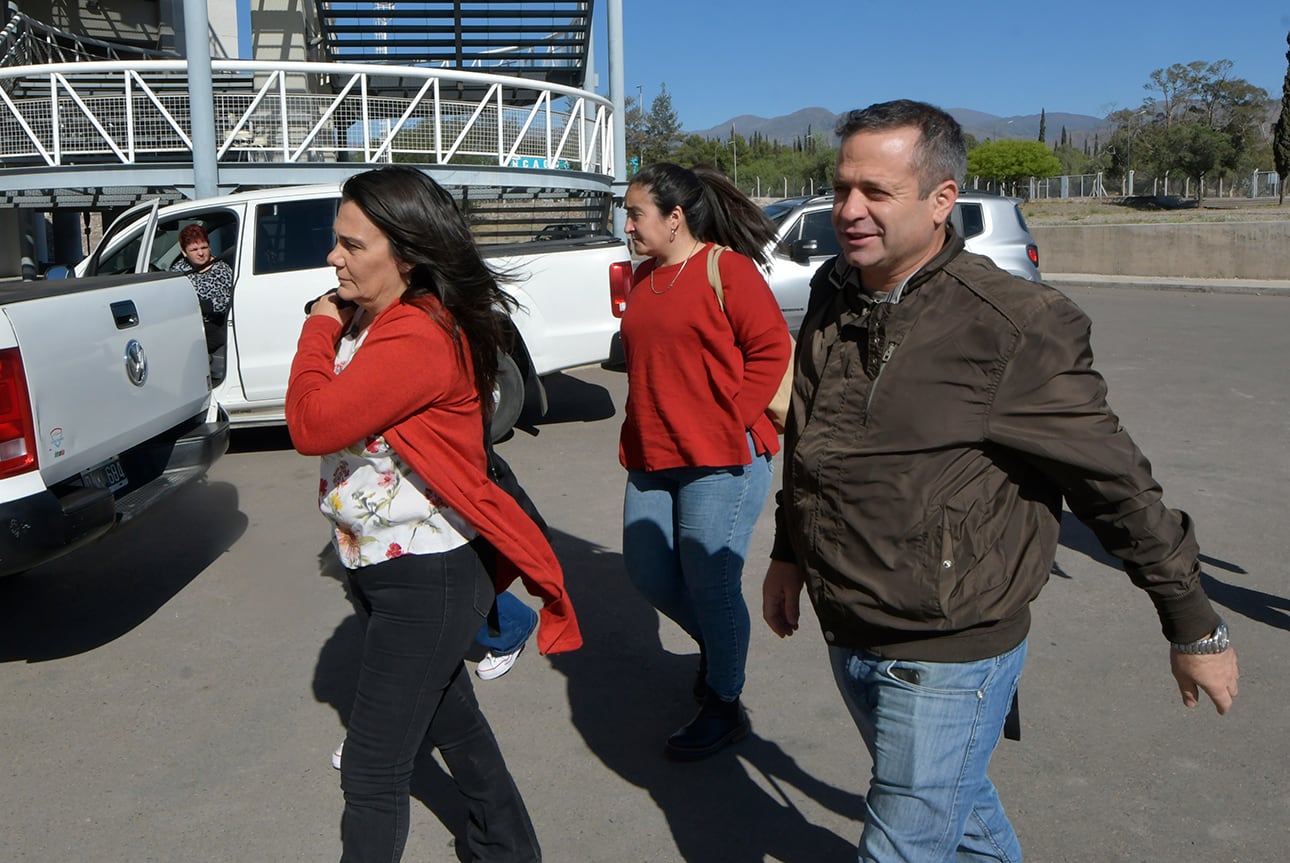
{"x": 426, "y": 230}
{"x": 715, "y": 209}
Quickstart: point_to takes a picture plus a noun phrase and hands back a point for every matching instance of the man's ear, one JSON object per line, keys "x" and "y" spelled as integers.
{"x": 943, "y": 198}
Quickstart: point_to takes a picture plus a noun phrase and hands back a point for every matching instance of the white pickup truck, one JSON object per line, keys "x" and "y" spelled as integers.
{"x": 104, "y": 408}
{"x": 277, "y": 240}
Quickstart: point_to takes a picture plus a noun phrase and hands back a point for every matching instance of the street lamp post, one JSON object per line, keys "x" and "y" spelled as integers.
{"x": 640, "y": 106}
{"x": 734, "y": 149}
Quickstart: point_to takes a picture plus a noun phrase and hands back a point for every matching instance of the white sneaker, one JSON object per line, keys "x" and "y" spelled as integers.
{"x": 335, "y": 756}
{"x": 493, "y": 666}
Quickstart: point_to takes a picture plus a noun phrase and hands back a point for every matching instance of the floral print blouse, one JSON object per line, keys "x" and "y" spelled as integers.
{"x": 380, "y": 508}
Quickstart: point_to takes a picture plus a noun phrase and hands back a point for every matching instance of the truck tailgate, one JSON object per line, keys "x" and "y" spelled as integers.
{"x": 110, "y": 362}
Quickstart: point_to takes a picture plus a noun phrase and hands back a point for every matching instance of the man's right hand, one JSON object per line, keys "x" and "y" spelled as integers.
{"x": 781, "y": 596}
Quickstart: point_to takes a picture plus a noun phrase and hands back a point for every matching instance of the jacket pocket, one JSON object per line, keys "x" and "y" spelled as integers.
{"x": 969, "y": 568}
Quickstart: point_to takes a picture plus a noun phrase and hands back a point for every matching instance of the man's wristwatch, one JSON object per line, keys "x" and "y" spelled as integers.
{"x": 1214, "y": 643}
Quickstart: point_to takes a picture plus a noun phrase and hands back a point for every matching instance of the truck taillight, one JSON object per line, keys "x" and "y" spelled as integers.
{"x": 620, "y": 285}
{"x": 17, "y": 434}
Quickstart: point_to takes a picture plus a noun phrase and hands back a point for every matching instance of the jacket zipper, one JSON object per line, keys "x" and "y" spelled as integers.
{"x": 882, "y": 364}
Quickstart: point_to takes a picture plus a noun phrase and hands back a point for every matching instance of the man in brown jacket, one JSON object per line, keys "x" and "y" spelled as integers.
{"x": 942, "y": 411}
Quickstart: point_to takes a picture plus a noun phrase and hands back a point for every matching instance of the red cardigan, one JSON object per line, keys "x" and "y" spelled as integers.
{"x": 699, "y": 379}
{"x": 408, "y": 383}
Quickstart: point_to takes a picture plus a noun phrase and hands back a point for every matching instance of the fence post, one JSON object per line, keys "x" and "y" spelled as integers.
{"x": 1254, "y": 185}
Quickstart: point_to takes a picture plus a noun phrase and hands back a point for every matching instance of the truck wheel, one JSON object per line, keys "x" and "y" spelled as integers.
{"x": 508, "y": 396}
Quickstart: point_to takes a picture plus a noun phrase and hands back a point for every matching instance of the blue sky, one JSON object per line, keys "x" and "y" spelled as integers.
{"x": 721, "y": 58}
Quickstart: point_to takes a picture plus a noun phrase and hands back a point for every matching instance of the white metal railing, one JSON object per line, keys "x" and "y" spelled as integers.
{"x": 135, "y": 112}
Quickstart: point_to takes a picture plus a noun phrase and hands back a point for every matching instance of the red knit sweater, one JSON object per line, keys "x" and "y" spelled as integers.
{"x": 699, "y": 378}
{"x": 408, "y": 383}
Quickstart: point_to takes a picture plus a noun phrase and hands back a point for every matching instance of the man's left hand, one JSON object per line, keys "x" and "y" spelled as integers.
{"x": 1216, "y": 673}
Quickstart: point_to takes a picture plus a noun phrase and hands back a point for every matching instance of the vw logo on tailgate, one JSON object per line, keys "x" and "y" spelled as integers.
{"x": 136, "y": 363}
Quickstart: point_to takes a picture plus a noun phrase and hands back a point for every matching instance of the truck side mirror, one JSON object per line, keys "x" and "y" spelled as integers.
{"x": 58, "y": 272}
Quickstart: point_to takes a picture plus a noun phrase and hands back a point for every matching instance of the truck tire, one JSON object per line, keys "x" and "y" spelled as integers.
{"x": 508, "y": 396}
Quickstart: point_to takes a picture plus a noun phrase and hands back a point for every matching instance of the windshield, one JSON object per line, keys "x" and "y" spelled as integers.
{"x": 778, "y": 212}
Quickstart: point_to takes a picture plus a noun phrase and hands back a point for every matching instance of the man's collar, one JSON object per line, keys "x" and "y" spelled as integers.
{"x": 844, "y": 275}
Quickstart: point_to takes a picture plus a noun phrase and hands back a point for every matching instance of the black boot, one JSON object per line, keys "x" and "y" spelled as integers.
{"x": 701, "y": 678}
{"x": 717, "y": 724}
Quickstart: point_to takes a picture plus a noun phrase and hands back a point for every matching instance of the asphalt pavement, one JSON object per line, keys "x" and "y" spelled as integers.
{"x": 173, "y": 693}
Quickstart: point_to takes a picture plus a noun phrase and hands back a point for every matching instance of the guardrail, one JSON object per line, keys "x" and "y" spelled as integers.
{"x": 132, "y": 113}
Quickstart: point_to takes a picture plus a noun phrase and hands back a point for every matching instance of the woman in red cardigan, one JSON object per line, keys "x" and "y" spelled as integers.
{"x": 395, "y": 396}
{"x": 696, "y": 441}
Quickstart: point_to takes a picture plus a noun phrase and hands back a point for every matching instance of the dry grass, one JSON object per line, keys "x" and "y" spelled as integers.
{"x": 1094, "y": 212}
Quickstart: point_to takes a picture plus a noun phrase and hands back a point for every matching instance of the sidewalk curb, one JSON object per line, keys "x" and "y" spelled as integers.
{"x": 1260, "y": 287}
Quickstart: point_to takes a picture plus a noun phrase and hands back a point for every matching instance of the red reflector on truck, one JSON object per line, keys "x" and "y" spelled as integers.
{"x": 620, "y": 285}
{"x": 17, "y": 434}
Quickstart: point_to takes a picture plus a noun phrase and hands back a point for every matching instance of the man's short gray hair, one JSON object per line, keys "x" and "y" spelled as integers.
{"x": 940, "y": 154}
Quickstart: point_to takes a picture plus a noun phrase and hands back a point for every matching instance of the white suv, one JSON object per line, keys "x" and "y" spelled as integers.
{"x": 990, "y": 224}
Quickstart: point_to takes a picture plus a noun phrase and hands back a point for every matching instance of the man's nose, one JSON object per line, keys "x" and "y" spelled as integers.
{"x": 855, "y": 206}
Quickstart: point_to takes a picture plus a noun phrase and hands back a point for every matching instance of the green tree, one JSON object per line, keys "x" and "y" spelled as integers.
{"x": 1197, "y": 151}
{"x": 1203, "y": 95}
{"x": 1178, "y": 86}
{"x": 1043, "y": 123}
{"x": 1073, "y": 160}
{"x": 1012, "y": 161}
{"x": 1281, "y": 135}
{"x": 697, "y": 150}
{"x": 662, "y": 128}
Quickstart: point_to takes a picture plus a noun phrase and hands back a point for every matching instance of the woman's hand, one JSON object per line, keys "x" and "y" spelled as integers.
{"x": 331, "y": 305}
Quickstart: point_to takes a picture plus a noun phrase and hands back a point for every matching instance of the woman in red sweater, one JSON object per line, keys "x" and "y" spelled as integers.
{"x": 395, "y": 396}
{"x": 696, "y": 441}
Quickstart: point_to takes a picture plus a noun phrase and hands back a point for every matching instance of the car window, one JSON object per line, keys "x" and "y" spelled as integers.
{"x": 120, "y": 260}
{"x": 220, "y": 225}
{"x": 294, "y": 235}
{"x": 818, "y": 226}
{"x": 971, "y": 219}
{"x": 778, "y": 211}
{"x": 221, "y": 228}
{"x": 1021, "y": 219}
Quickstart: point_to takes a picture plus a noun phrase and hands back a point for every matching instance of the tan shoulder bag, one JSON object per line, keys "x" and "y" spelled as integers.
{"x": 777, "y": 410}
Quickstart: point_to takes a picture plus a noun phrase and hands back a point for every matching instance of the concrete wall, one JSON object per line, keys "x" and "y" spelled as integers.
{"x": 1220, "y": 250}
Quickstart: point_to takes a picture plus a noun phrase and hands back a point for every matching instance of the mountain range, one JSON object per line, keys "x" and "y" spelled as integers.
{"x": 789, "y": 127}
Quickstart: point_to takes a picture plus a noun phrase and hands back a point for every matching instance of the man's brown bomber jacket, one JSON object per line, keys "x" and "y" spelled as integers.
{"x": 930, "y": 445}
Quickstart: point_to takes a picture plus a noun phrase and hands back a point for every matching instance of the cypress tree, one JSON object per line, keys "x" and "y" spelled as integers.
{"x": 1043, "y": 123}
{"x": 1281, "y": 134}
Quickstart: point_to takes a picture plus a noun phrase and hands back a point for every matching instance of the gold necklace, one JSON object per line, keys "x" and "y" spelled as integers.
{"x": 678, "y": 272}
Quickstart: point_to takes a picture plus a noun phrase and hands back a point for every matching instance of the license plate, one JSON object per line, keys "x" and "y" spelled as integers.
{"x": 109, "y": 475}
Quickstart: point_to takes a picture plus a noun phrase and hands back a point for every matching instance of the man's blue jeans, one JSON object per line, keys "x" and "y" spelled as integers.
{"x": 686, "y": 533}
{"x": 515, "y": 623}
{"x": 930, "y": 799}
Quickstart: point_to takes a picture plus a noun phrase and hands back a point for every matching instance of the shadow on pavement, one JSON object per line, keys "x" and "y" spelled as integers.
{"x": 569, "y": 400}
{"x": 1266, "y": 608}
{"x": 628, "y": 694}
{"x": 98, "y": 593}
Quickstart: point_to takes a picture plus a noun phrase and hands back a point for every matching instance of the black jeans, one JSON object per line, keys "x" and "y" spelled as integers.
{"x": 413, "y": 691}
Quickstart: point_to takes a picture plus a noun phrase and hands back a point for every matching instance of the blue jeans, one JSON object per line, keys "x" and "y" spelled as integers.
{"x": 930, "y": 799}
{"x": 423, "y": 613}
{"x": 515, "y": 623}
{"x": 685, "y": 537}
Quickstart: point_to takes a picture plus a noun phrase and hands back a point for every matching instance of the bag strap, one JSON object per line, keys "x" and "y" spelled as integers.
{"x": 714, "y": 273}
